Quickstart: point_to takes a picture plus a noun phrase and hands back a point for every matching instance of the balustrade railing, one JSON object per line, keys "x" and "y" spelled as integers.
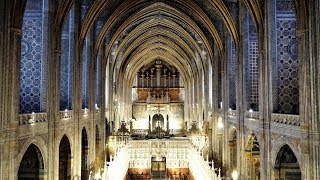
{"x": 275, "y": 117}
{"x": 85, "y": 112}
{"x": 140, "y": 131}
{"x": 286, "y": 119}
{"x": 232, "y": 112}
{"x": 32, "y": 118}
{"x": 252, "y": 114}
{"x": 66, "y": 114}
{"x": 200, "y": 168}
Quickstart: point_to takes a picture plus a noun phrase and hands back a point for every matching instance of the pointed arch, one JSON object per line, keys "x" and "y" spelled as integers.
{"x": 252, "y": 156}
{"x": 31, "y": 165}
{"x": 280, "y": 142}
{"x": 286, "y": 164}
{"x": 65, "y": 158}
{"x": 39, "y": 143}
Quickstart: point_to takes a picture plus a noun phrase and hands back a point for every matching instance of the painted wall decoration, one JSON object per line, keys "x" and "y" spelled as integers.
{"x": 287, "y": 59}
{"x": 33, "y": 58}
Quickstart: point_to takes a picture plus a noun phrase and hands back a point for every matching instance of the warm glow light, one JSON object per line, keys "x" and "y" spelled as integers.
{"x": 85, "y": 111}
{"x": 32, "y": 119}
{"x": 141, "y": 124}
{"x": 144, "y": 123}
{"x": 31, "y": 122}
{"x": 118, "y": 167}
{"x": 174, "y": 124}
{"x": 220, "y": 124}
{"x": 235, "y": 174}
{"x": 65, "y": 114}
{"x": 250, "y": 111}
{"x": 97, "y": 176}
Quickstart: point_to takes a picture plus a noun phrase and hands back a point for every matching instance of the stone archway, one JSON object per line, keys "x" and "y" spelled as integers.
{"x": 252, "y": 156}
{"x": 64, "y": 159}
{"x": 31, "y": 165}
{"x": 286, "y": 165}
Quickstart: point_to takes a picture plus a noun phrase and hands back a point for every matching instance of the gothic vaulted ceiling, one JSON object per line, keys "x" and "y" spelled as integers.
{"x": 133, "y": 33}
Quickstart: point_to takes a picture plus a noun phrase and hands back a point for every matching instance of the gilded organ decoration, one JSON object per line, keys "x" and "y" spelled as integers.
{"x": 158, "y": 88}
{"x": 158, "y": 82}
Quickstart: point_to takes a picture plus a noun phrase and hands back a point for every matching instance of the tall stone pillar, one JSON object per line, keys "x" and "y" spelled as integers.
{"x": 224, "y": 108}
{"x": 314, "y": 38}
{"x": 308, "y": 40}
{"x": 215, "y": 110}
{"x": 53, "y": 110}
{"x": 265, "y": 108}
{"x": 10, "y": 51}
{"x": 265, "y": 96}
{"x": 92, "y": 121}
{"x": 76, "y": 100}
{"x": 240, "y": 96}
{"x": 105, "y": 110}
{"x": 10, "y": 116}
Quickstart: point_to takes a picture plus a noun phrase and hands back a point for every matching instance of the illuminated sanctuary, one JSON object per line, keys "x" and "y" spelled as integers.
{"x": 159, "y": 89}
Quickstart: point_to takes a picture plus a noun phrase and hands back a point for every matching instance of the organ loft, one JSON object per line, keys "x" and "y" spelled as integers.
{"x": 159, "y": 89}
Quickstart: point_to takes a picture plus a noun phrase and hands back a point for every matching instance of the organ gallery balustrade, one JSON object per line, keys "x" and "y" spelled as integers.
{"x": 34, "y": 118}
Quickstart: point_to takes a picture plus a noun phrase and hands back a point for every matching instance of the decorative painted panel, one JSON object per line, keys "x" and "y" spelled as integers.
{"x": 31, "y": 67}
{"x": 287, "y": 59}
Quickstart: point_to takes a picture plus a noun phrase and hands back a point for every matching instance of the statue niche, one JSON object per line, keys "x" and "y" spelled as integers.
{"x": 157, "y": 121}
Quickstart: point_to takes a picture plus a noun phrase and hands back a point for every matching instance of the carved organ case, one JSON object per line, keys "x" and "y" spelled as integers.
{"x": 158, "y": 90}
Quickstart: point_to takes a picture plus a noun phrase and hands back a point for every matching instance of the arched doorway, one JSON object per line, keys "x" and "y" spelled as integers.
{"x": 84, "y": 155}
{"x": 252, "y": 155}
{"x": 157, "y": 120}
{"x": 286, "y": 166}
{"x": 64, "y": 159}
{"x": 31, "y": 165}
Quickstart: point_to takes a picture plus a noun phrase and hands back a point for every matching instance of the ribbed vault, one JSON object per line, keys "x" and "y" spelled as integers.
{"x": 182, "y": 33}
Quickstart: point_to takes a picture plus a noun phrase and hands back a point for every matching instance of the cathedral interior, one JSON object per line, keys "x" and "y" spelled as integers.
{"x": 160, "y": 89}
